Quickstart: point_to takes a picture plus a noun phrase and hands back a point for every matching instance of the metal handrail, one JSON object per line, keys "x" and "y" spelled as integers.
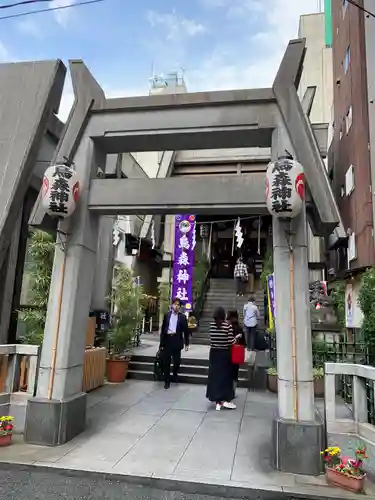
{"x": 199, "y": 303}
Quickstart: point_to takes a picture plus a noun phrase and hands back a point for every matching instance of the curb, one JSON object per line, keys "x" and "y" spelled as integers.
{"x": 191, "y": 487}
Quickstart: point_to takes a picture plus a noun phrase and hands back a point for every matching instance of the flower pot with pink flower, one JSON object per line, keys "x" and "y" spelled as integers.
{"x": 6, "y": 430}
{"x": 345, "y": 472}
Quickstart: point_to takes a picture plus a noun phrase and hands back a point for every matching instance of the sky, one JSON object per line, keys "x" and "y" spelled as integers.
{"x": 218, "y": 44}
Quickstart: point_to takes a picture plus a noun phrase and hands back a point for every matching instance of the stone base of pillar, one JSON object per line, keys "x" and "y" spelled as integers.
{"x": 53, "y": 422}
{"x": 297, "y": 446}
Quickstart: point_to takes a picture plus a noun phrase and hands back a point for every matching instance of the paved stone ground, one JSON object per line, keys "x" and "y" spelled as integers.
{"x": 138, "y": 429}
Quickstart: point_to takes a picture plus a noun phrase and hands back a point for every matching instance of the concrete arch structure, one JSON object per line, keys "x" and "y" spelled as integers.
{"x": 30, "y": 94}
{"x": 270, "y": 118}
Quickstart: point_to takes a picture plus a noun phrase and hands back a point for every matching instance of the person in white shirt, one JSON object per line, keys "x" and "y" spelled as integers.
{"x": 240, "y": 276}
{"x": 251, "y": 317}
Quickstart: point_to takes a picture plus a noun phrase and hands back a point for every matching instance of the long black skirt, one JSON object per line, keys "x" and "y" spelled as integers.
{"x": 220, "y": 376}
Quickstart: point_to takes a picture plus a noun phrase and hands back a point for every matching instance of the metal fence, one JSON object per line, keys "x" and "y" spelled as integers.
{"x": 331, "y": 347}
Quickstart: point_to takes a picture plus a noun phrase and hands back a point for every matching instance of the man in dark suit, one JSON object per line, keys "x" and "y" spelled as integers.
{"x": 174, "y": 336}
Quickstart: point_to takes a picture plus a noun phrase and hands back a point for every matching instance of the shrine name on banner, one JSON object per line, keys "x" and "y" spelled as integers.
{"x": 184, "y": 245}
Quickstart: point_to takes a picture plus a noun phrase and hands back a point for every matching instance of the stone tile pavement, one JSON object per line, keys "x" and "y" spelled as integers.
{"x": 139, "y": 429}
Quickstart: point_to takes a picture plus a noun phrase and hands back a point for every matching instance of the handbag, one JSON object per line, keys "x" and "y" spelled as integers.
{"x": 158, "y": 367}
{"x": 238, "y": 354}
{"x": 262, "y": 341}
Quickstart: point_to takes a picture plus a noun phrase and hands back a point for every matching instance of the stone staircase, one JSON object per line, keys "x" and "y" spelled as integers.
{"x": 222, "y": 292}
{"x": 192, "y": 370}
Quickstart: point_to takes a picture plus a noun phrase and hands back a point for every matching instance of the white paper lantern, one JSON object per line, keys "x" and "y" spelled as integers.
{"x": 285, "y": 188}
{"x": 60, "y": 191}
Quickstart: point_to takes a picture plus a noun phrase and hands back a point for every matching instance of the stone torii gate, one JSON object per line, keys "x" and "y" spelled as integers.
{"x": 271, "y": 117}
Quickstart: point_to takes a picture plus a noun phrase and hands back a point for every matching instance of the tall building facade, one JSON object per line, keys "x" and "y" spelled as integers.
{"x": 317, "y": 72}
{"x": 352, "y": 155}
{"x": 317, "y": 67}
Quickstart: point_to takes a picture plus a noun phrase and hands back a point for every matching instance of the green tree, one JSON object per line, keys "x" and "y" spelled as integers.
{"x": 41, "y": 251}
{"x": 366, "y": 301}
{"x": 267, "y": 267}
{"x": 127, "y": 299}
{"x": 164, "y": 297}
{"x": 199, "y": 274}
{"x": 338, "y": 301}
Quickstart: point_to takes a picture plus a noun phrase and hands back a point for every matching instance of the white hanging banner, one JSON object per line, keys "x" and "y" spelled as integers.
{"x": 194, "y": 236}
{"x": 153, "y": 234}
{"x": 116, "y": 236}
{"x": 238, "y": 233}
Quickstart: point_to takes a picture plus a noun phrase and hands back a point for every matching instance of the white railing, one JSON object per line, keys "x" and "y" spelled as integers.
{"x": 18, "y": 380}
{"x": 358, "y": 424}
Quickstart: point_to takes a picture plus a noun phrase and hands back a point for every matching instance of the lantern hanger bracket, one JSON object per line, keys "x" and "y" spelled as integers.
{"x": 289, "y": 234}
{"x": 288, "y": 155}
{"x": 62, "y": 232}
{"x": 68, "y": 162}
{"x": 62, "y": 239}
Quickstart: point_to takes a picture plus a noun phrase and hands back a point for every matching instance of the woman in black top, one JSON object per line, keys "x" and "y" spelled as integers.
{"x": 220, "y": 375}
{"x": 232, "y": 318}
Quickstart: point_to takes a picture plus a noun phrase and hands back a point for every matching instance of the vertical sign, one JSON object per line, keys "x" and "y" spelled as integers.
{"x": 349, "y": 306}
{"x": 271, "y": 300}
{"x": 328, "y": 22}
{"x": 184, "y": 243}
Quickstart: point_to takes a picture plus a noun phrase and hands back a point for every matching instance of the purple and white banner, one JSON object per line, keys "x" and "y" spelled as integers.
{"x": 184, "y": 245}
{"x": 271, "y": 296}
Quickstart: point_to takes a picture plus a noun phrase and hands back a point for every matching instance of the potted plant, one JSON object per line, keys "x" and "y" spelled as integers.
{"x": 272, "y": 379}
{"x": 127, "y": 299}
{"x": 318, "y": 374}
{"x": 345, "y": 472}
{"x": 6, "y": 430}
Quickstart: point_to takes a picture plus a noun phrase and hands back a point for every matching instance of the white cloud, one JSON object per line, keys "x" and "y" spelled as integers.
{"x": 62, "y": 15}
{"x": 258, "y": 55}
{"x": 252, "y": 59}
{"x": 175, "y": 26}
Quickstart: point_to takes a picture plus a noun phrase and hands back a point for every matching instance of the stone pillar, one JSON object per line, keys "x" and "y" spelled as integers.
{"x": 64, "y": 415}
{"x": 294, "y": 434}
{"x": 104, "y": 265}
{"x": 298, "y": 241}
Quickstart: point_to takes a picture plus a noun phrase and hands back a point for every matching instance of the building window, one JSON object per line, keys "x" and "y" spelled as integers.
{"x": 348, "y": 119}
{"x": 347, "y": 60}
{"x": 345, "y": 4}
{"x": 349, "y": 181}
{"x": 352, "y": 248}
